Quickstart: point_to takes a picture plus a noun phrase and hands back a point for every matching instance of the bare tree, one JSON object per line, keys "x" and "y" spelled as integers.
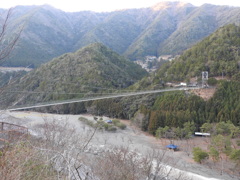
{"x": 21, "y": 161}
{"x": 73, "y": 154}
{"x": 123, "y": 163}
{"x": 65, "y": 148}
{"x": 62, "y": 152}
{"x": 8, "y": 37}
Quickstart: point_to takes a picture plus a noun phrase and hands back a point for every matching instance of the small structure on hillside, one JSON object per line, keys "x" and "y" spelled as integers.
{"x": 172, "y": 147}
{"x": 202, "y": 134}
{"x": 183, "y": 84}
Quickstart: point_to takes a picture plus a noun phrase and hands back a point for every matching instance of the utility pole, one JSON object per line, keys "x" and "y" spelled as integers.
{"x": 204, "y": 78}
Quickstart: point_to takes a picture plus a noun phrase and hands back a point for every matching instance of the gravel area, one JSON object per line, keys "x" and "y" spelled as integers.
{"x": 131, "y": 137}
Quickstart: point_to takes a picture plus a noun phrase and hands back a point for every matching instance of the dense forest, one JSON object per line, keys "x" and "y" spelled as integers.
{"x": 94, "y": 69}
{"x": 175, "y": 109}
{"x": 218, "y": 54}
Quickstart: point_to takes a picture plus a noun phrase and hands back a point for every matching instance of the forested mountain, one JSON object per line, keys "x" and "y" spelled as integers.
{"x": 92, "y": 69}
{"x": 219, "y": 54}
{"x": 166, "y": 28}
{"x": 96, "y": 69}
{"x": 174, "y": 109}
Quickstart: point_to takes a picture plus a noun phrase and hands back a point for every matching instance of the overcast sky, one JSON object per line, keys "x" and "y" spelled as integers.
{"x": 106, "y": 5}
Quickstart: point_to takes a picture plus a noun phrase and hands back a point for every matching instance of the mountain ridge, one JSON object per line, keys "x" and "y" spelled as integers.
{"x": 92, "y": 69}
{"x": 219, "y": 54}
{"x": 134, "y": 33}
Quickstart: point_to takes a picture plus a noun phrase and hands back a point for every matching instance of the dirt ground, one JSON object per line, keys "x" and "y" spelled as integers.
{"x": 206, "y": 93}
{"x": 132, "y": 138}
{"x": 185, "y": 148}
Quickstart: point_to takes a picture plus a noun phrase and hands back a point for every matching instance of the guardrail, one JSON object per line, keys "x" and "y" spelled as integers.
{"x": 11, "y": 132}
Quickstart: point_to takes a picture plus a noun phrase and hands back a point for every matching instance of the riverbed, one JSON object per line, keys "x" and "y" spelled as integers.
{"x": 131, "y": 137}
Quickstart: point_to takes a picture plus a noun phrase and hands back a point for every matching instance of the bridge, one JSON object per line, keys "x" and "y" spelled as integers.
{"x": 99, "y": 98}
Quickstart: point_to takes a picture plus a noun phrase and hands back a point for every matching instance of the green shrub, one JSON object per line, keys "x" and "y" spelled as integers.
{"x": 112, "y": 128}
{"x": 235, "y": 155}
{"x": 238, "y": 142}
{"x": 86, "y": 121}
{"x": 82, "y": 119}
{"x": 121, "y": 125}
{"x": 212, "y": 81}
{"x": 100, "y": 124}
{"x": 103, "y": 125}
{"x": 115, "y": 121}
{"x": 106, "y": 126}
{"x": 199, "y": 155}
{"x": 214, "y": 153}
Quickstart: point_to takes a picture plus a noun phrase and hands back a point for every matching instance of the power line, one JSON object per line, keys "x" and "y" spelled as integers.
{"x": 99, "y": 98}
{"x": 62, "y": 93}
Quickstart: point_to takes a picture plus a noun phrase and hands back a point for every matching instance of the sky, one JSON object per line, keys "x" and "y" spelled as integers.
{"x": 106, "y": 5}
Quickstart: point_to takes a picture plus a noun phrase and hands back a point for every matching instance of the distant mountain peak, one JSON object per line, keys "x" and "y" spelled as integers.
{"x": 167, "y": 4}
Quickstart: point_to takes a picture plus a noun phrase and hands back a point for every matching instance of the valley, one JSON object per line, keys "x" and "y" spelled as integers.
{"x": 105, "y": 93}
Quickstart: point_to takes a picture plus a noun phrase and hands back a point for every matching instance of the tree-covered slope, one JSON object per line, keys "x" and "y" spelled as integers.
{"x": 198, "y": 23}
{"x": 225, "y": 104}
{"x": 166, "y": 19}
{"x": 47, "y": 33}
{"x": 175, "y": 109}
{"x": 166, "y": 28}
{"x": 218, "y": 54}
{"x": 117, "y": 31}
{"x": 92, "y": 69}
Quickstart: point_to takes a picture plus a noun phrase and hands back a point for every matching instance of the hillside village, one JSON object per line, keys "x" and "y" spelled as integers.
{"x": 152, "y": 63}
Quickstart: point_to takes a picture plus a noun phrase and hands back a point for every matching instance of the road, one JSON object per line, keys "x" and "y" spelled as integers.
{"x": 14, "y": 69}
{"x": 131, "y": 137}
{"x": 25, "y": 107}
